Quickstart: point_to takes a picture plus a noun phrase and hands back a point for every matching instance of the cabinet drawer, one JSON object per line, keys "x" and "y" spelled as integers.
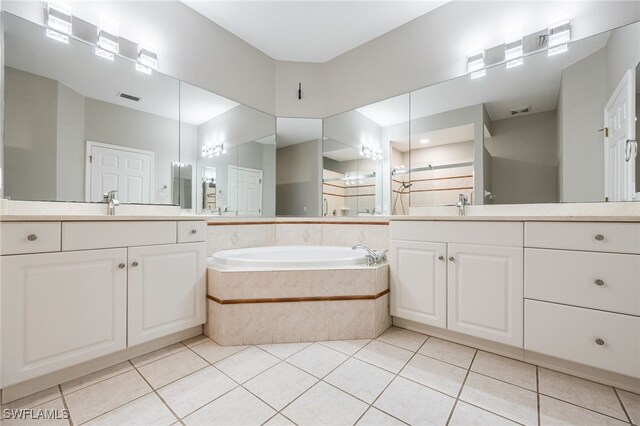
{"x": 192, "y": 231}
{"x": 486, "y": 233}
{"x": 29, "y": 237}
{"x": 572, "y": 333}
{"x": 94, "y": 235}
{"x": 589, "y": 236}
{"x": 604, "y": 281}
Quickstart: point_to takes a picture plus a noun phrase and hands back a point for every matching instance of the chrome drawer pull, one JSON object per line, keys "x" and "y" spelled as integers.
{"x": 599, "y": 342}
{"x": 440, "y": 257}
{"x": 32, "y": 237}
{"x": 121, "y": 266}
{"x": 599, "y": 237}
{"x": 599, "y": 282}
{"x": 193, "y": 231}
{"x": 135, "y": 264}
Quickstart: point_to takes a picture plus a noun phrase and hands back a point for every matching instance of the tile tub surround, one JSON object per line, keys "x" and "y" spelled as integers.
{"x": 401, "y": 376}
{"x": 225, "y": 234}
{"x": 262, "y": 307}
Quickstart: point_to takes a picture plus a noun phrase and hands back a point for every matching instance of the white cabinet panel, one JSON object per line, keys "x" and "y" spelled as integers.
{"x": 167, "y": 290}
{"x": 595, "y": 338}
{"x": 93, "y": 235}
{"x": 419, "y": 282}
{"x": 60, "y": 309}
{"x": 606, "y": 281}
{"x": 589, "y": 236}
{"x": 485, "y": 291}
{"x": 29, "y": 237}
{"x": 192, "y": 231}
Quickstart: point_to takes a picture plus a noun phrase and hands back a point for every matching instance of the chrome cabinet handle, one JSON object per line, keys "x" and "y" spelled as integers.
{"x": 193, "y": 231}
{"x": 599, "y": 237}
{"x": 440, "y": 257}
{"x": 135, "y": 264}
{"x": 122, "y": 266}
{"x": 32, "y": 237}
{"x": 599, "y": 342}
{"x": 599, "y": 282}
{"x": 630, "y": 146}
{"x": 451, "y": 258}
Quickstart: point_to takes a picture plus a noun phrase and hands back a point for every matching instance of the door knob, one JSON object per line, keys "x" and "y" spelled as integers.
{"x": 599, "y": 237}
{"x": 121, "y": 266}
{"x": 135, "y": 264}
{"x": 599, "y": 342}
{"x": 451, "y": 258}
{"x": 32, "y": 237}
{"x": 440, "y": 257}
{"x": 599, "y": 282}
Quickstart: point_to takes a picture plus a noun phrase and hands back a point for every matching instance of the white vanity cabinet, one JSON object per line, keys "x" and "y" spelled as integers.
{"x": 60, "y": 309}
{"x": 104, "y": 287}
{"x": 167, "y": 290}
{"x": 463, "y": 276}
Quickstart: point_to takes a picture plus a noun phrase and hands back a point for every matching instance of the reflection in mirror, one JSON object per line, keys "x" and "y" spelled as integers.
{"x": 357, "y": 148}
{"x": 78, "y": 125}
{"x": 181, "y": 178}
{"x": 637, "y": 134}
{"x": 531, "y": 132}
{"x": 298, "y": 165}
{"x": 233, "y": 147}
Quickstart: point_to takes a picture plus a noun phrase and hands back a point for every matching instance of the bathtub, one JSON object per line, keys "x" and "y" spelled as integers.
{"x": 289, "y": 257}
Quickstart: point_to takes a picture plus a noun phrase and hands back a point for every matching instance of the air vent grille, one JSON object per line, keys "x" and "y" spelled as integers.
{"x": 520, "y": 111}
{"x": 129, "y": 97}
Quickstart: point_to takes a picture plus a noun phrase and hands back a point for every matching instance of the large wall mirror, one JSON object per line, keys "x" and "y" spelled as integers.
{"x": 228, "y": 151}
{"x": 78, "y": 125}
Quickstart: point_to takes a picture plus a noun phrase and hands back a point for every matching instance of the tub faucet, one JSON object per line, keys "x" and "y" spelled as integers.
{"x": 462, "y": 201}
{"x": 110, "y": 199}
{"x": 373, "y": 257}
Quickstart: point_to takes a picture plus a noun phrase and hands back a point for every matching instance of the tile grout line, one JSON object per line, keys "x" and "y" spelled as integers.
{"x": 64, "y": 403}
{"x": 624, "y": 409}
{"x": 464, "y": 381}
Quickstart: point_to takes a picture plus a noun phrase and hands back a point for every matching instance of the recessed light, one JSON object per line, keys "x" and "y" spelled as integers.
{"x": 424, "y": 141}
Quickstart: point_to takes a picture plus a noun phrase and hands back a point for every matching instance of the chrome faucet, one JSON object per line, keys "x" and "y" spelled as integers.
{"x": 462, "y": 201}
{"x": 373, "y": 257}
{"x": 110, "y": 199}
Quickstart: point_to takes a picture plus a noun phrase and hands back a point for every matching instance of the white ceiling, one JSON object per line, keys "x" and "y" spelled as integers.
{"x": 310, "y": 31}
{"x": 388, "y": 112}
{"x": 291, "y": 131}
{"x": 78, "y": 67}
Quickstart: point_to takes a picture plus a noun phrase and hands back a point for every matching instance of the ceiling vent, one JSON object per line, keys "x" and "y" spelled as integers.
{"x": 129, "y": 97}
{"x": 520, "y": 111}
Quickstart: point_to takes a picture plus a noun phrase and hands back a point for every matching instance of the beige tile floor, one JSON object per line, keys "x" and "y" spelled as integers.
{"x": 401, "y": 377}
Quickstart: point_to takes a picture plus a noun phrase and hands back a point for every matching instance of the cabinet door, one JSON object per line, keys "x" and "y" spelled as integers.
{"x": 419, "y": 282}
{"x": 167, "y": 290}
{"x": 60, "y": 309}
{"x": 485, "y": 292}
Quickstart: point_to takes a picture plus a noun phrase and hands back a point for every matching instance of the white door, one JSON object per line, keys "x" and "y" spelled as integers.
{"x": 620, "y": 147}
{"x": 485, "y": 292}
{"x": 419, "y": 282}
{"x": 61, "y": 309}
{"x": 245, "y": 191}
{"x": 125, "y": 169}
{"x": 167, "y": 290}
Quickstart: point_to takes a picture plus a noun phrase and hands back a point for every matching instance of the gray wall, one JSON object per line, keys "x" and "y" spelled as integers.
{"x": 71, "y": 145}
{"x": 524, "y": 151}
{"x": 298, "y": 179}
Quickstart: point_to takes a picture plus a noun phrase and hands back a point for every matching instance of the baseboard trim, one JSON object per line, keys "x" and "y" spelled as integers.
{"x": 29, "y": 387}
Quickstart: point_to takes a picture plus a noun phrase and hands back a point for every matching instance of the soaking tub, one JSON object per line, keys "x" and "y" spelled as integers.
{"x": 288, "y": 294}
{"x": 289, "y": 257}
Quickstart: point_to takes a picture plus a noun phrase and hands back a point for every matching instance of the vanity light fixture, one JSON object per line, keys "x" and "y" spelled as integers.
{"x": 57, "y": 36}
{"x": 109, "y": 35}
{"x": 59, "y": 18}
{"x": 424, "y": 141}
{"x": 148, "y": 56}
{"x": 104, "y": 54}
{"x": 559, "y": 36}
{"x": 513, "y": 53}
{"x": 210, "y": 151}
{"x": 475, "y": 64}
{"x": 370, "y": 152}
